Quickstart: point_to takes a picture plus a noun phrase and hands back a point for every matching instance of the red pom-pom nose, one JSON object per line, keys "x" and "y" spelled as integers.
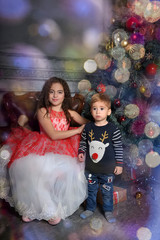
{"x": 94, "y": 156}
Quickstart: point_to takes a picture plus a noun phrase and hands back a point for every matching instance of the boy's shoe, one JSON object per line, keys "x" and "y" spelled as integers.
{"x": 110, "y": 217}
{"x": 86, "y": 214}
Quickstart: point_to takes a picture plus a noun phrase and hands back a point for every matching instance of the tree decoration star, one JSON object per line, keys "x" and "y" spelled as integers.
{"x": 149, "y": 56}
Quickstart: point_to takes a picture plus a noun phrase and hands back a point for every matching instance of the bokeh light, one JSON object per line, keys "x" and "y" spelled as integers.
{"x": 90, "y": 66}
{"x": 91, "y": 38}
{"x": 49, "y": 28}
{"x": 131, "y": 111}
{"x": 84, "y": 85}
{"x": 145, "y": 146}
{"x": 152, "y": 159}
{"x": 14, "y": 11}
{"x": 144, "y": 233}
{"x": 152, "y": 130}
{"x": 27, "y": 61}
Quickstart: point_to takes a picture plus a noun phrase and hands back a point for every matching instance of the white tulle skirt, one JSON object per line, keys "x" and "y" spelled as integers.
{"x": 45, "y": 187}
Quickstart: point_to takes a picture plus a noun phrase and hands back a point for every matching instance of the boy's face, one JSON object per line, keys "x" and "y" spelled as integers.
{"x": 100, "y": 111}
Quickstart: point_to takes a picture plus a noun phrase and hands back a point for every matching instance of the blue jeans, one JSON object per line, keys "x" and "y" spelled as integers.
{"x": 105, "y": 182}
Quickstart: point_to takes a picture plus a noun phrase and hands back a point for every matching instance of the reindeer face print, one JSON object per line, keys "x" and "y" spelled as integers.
{"x": 97, "y": 148}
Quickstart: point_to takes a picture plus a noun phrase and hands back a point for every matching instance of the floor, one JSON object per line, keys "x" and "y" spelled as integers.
{"x": 138, "y": 218}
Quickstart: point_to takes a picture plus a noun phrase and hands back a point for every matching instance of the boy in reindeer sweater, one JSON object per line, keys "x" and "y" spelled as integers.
{"x": 101, "y": 149}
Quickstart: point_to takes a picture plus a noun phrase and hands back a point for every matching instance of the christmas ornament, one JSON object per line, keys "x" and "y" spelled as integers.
{"x": 111, "y": 91}
{"x": 152, "y": 11}
{"x": 138, "y": 7}
{"x": 109, "y": 45}
{"x": 136, "y": 38}
{"x": 145, "y": 146}
{"x": 90, "y": 66}
{"x": 117, "y": 102}
{"x": 118, "y": 53}
{"x": 103, "y": 61}
{"x": 118, "y": 36}
{"x": 136, "y": 51}
{"x": 124, "y": 63}
{"x": 152, "y": 159}
{"x": 128, "y": 47}
{"x": 137, "y": 127}
{"x": 152, "y": 130}
{"x": 138, "y": 195}
{"x": 84, "y": 85}
{"x": 124, "y": 43}
{"x": 149, "y": 56}
{"x": 137, "y": 65}
{"x": 134, "y": 85}
{"x": 142, "y": 89}
{"x": 151, "y": 69}
{"x": 121, "y": 119}
{"x": 131, "y": 111}
{"x": 132, "y": 23}
{"x": 101, "y": 88}
{"x": 122, "y": 75}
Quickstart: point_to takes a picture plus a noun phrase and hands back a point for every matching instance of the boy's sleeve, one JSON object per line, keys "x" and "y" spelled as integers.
{"x": 83, "y": 143}
{"x": 118, "y": 148}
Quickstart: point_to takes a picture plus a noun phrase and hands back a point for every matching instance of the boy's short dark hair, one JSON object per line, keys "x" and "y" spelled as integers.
{"x": 103, "y": 97}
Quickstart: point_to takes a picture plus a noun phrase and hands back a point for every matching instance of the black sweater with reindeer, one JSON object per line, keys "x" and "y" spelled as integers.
{"x": 103, "y": 148}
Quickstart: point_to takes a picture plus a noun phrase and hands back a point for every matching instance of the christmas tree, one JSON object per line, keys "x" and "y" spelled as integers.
{"x": 126, "y": 67}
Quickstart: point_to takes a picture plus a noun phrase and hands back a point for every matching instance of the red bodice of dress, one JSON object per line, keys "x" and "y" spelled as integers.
{"x": 24, "y": 142}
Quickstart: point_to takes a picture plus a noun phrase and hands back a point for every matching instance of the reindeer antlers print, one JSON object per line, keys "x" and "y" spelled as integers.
{"x": 91, "y": 133}
{"x": 105, "y": 136}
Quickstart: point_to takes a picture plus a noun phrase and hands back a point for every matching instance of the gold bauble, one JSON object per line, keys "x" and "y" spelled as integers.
{"x": 138, "y": 195}
{"x": 109, "y": 45}
{"x": 124, "y": 43}
{"x": 142, "y": 89}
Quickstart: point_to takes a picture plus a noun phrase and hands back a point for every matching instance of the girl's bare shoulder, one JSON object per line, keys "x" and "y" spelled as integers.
{"x": 42, "y": 112}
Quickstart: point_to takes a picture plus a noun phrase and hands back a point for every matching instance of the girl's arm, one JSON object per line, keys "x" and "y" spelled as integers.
{"x": 78, "y": 118}
{"x": 47, "y": 126}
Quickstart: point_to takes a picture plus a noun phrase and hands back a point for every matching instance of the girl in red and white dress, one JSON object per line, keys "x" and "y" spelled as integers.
{"x": 46, "y": 180}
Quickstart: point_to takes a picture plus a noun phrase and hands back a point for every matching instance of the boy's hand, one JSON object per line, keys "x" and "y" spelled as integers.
{"x": 118, "y": 170}
{"x": 81, "y": 157}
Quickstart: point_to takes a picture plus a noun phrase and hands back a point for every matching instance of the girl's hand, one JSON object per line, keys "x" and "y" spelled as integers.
{"x": 118, "y": 170}
{"x": 80, "y": 129}
{"x": 81, "y": 157}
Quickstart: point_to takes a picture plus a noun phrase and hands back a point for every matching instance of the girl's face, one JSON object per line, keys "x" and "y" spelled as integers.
{"x": 56, "y": 94}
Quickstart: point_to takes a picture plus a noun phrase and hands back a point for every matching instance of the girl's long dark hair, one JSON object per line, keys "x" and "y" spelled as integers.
{"x": 43, "y": 100}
